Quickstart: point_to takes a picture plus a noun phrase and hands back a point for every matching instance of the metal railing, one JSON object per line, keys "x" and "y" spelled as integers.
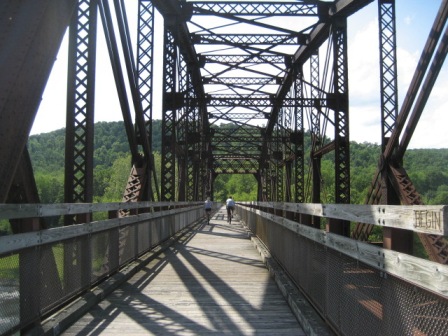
{"x": 358, "y": 288}
{"x": 42, "y": 270}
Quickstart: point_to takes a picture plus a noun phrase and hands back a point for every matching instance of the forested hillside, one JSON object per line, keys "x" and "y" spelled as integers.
{"x": 427, "y": 168}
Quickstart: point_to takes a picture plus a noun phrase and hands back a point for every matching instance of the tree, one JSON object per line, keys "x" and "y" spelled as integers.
{"x": 118, "y": 179}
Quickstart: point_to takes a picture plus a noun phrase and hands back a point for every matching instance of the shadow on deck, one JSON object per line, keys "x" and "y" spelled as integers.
{"x": 209, "y": 280}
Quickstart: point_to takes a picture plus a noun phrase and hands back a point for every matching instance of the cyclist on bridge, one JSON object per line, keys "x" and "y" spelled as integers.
{"x": 208, "y": 204}
{"x": 230, "y": 205}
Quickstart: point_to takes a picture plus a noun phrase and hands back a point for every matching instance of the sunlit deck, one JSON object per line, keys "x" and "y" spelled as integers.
{"x": 211, "y": 281}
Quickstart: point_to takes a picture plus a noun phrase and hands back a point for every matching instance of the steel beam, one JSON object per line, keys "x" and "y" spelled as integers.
{"x": 168, "y": 186}
{"x": 299, "y": 145}
{"x": 145, "y": 70}
{"x": 245, "y": 40}
{"x": 341, "y": 137}
{"x": 302, "y": 8}
{"x": 261, "y": 101}
{"x": 32, "y": 33}
{"x": 80, "y": 105}
{"x": 242, "y": 81}
{"x": 243, "y": 59}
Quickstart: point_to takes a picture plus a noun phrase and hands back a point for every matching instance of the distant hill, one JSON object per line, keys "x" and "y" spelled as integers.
{"x": 110, "y": 142}
{"x": 427, "y": 167}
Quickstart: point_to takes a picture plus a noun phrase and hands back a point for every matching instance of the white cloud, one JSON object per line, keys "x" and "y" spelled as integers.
{"x": 364, "y": 64}
{"x": 408, "y": 20}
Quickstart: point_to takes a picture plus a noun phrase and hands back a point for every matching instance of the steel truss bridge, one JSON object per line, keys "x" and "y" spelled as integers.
{"x": 289, "y": 67}
{"x": 272, "y": 71}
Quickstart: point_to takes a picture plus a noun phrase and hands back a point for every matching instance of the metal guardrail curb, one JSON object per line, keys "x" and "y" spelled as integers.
{"x": 309, "y": 319}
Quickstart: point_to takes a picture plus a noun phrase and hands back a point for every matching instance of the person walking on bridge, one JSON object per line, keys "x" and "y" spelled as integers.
{"x": 208, "y": 204}
{"x": 230, "y": 206}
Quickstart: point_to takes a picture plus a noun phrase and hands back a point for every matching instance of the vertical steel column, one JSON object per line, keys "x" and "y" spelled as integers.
{"x": 316, "y": 137}
{"x": 80, "y": 104}
{"x": 79, "y": 129}
{"x": 205, "y": 156}
{"x": 342, "y": 144}
{"x": 145, "y": 57}
{"x": 389, "y": 93}
{"x": 168, "y": 118}
{"x": 288, "y": 146}
{"x": 181, "y": 132}
{"x": 399, "y": 240}
{"x": 388, "y": 69}
{"x": 207, "y": 168}
{"x": 193, "y": 141}
{"x": 264, "y": 184}
{"x": 278, "y": 156}
{"x": 198, "y": 164}
{"x": 269, "y": 171}
{"x": 299, "y": 150}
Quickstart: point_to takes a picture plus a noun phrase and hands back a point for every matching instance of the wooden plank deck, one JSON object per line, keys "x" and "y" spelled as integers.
{"x": 211, "y": 282}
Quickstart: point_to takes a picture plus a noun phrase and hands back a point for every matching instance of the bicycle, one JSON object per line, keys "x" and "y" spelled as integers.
{"x": 229, "y": 214}
{"x": 208, "y": 217}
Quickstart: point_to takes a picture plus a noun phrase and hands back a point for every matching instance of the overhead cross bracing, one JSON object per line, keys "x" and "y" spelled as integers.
{"x": 279, "y": 67}
{"x": 248, "y": 55}
{"x": 242, "y": 71}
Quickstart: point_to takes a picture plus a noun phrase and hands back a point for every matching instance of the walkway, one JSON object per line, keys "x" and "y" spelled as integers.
{"x": 211, "y": 282}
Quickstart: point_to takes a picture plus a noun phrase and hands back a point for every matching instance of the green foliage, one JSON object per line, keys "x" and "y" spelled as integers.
{"x": 50, "y": 187}
{"x": 5, "y": 227}
{"x": 241, "y": 187}
{"x": 47, "y": 151}
{"x": 116, "y": 180}
{"x": 112, "y": 163}
{"x": 9, "y": 267}
{"x": 426, "y": 167}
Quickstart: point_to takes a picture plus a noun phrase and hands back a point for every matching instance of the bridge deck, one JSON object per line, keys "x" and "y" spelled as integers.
{"x": 211, "y": 281}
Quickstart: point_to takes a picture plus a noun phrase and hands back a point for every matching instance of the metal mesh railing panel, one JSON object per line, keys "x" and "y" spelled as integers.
{"x": 104, "y": 249}
{"x": 409, "y": 310}
{"x": 354, "y": 298}
{"x": 361, "y": 297}
{"x": 9, "y": 293}
{"x": 301, "y": 271}
{"x": 58, "y": 264}
{"x": 317, "y": 274}
{"x": 127, "y": 244}
{"x": 56, "y": 279}
{"x": 143, "y": 237}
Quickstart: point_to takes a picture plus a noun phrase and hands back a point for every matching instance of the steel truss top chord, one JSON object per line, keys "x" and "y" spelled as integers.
{"x": 302, "y": 8}
{"x": 244, "y": 59}
{"x": 250, "y": 39}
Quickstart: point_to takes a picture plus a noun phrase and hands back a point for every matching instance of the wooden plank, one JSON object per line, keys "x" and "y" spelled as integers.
{"x": 14, "y": 243}
{"x": 426, "y": 274}
{"x": 213, "y": 281}
{"x": 14, "y": 211}
{"x": 428, "y": 219}
{"x": 418, "y": 218}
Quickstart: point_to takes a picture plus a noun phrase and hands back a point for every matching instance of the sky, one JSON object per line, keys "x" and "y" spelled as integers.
{"x": 414, "y": 19}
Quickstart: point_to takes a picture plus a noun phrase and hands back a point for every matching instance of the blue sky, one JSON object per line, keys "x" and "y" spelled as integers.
{"x": 414, "y": 20}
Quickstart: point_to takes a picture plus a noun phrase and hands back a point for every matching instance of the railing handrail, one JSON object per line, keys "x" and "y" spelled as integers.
{"x": 49, "y": 268}
{"x": 428, "y": 219}
{"x": 15, "y": 211}
{"x": 423, "y": 273}
{"x": 16, "y": 242}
